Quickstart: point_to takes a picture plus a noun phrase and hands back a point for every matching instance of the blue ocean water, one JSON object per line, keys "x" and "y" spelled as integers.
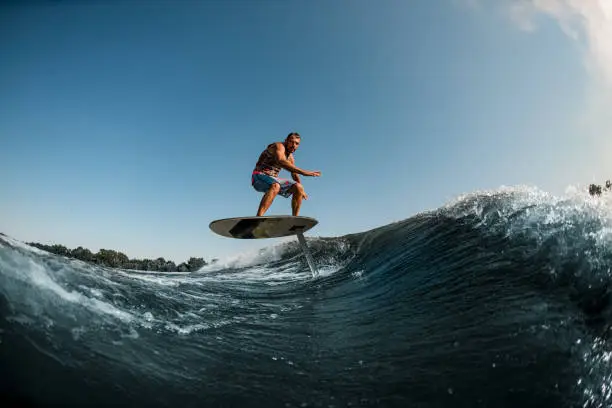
{"x": 497, "y": 299}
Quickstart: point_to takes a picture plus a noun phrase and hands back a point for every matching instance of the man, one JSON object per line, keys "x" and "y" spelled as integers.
{"x": 277, "y": 156}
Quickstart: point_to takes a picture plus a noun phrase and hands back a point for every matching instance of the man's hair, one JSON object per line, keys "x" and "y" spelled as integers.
{"x": 294, "y": 134}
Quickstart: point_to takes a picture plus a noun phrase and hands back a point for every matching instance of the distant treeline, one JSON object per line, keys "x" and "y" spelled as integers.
{"x": 596, "y": 189}
{"x": 114, "y": 259}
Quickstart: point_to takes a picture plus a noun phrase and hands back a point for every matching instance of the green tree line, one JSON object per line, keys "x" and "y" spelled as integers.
{"x": 114, "y": 259}
{"x": 596, "y": 189}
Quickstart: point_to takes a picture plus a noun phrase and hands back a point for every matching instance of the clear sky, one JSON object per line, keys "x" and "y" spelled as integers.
{"x": 131, "y": 125}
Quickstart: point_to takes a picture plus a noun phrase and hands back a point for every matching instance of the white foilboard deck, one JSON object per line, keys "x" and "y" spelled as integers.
{"x": 270, "y": 226}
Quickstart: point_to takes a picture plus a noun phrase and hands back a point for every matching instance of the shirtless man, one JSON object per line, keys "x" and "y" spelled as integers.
{"x": 277, "y": 156}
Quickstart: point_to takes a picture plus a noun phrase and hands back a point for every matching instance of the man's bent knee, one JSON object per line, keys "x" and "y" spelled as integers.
{"x": 274, "y": 188}
{"x": 298, "y": 189}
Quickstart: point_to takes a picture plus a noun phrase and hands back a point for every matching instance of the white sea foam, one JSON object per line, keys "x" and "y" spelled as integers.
{"x": 30, "y": 271}
{"x": 523, "y": 209}
{"x": 248, "y": 258}
{"x": 16, "y": 243}
{"x": 160, "y": 280}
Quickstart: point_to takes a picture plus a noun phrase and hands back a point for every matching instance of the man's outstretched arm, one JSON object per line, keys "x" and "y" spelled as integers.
{"x": 279, "y": 153}
{"x": 294, "y": 175}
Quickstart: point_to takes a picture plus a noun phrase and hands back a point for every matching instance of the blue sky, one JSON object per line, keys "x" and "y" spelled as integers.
{"x": 131, "y": 125}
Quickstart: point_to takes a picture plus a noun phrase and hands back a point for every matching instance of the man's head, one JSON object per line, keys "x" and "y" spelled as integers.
{"x": 292, "y": 142}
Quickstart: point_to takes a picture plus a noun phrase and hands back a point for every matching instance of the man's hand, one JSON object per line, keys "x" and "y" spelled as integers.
{"x": 312, "y": 173}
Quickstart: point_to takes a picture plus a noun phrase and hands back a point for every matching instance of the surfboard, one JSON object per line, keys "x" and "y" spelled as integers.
{"x": 270, "y": 226}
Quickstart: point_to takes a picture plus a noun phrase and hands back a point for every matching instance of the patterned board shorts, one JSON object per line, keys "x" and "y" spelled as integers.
{"x": 262, "y": 182}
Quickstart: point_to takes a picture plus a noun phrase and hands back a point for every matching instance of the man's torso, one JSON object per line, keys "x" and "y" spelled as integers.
{"x": 267, "y": 162}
